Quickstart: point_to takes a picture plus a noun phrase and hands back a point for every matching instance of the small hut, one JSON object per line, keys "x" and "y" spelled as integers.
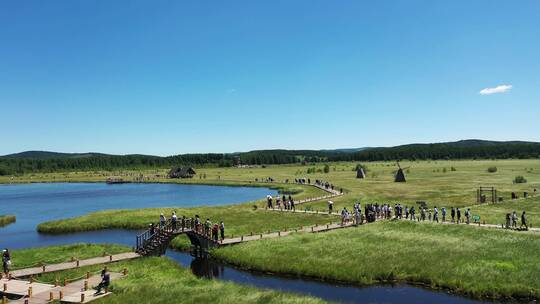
{"x": 400, "y": 176}
{"x": 360, "y": 173}
{"x": 181, "y": 172}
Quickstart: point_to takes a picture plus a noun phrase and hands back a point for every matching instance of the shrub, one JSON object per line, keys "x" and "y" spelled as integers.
{"x": 360, "y": 166}
{"x": 492, "y": 169}
{"x": 453, "y": 168}
{"x": 326, "y": 168}
{"x": 444, "y": 170}
{"x": 519, "y": 180}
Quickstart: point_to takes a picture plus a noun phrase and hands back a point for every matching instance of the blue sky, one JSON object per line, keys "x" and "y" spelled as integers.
{"x": 169, "y": 77}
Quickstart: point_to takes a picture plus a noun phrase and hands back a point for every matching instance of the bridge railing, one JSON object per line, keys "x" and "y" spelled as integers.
{"x": 180, "y": 225}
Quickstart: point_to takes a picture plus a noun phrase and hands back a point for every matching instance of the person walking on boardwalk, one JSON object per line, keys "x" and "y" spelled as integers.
{"x": 343, "y": 212}
{"x": 422, "y": 213}
{"x": 453, "y": 214}
{"x": 162, "y": 221}
{"x": 292, "y": 205}
{"x": 443, "y": 212}
{"x": 458, "y": 213}
{"x": 435, "y": 214}
{"x": 222, "y": 230}
{"x": 524, "y": 221}
{"x": 174, "y": 220}
{"x": 468, "y": 216}
{"x": 330, "y": 207}
{"x": 412, "y": 213}
{"x": 357, "y": 215}
{"x": 514, "y": 219}
{"x": 6, "y": 261}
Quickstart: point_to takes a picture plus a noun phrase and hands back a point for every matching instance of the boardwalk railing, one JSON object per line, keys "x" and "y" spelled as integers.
{"x": 159, "y": 230}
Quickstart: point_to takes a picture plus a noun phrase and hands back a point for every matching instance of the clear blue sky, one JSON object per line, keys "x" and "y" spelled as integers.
{"x": 169, "y": 77}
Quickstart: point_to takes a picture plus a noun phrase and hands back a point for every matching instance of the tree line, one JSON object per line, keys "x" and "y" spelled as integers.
{"x": 484, "y": 150}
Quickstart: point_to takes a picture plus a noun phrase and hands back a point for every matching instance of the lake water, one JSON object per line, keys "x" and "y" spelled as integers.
{"x": 36, "y": 203}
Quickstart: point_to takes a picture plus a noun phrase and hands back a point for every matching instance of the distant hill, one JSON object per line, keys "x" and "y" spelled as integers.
{"x": 43, "y": 161}
{"x": 49, "y": 155}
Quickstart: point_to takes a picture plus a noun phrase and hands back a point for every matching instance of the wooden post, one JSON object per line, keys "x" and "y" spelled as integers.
{"x": 5, "y": 287}
{"x": 311, "y": 229}
{"x": 4, "y": 300}
{"x": 242, "y": 238}
{"x": 31, "y": 279}
{"x": 82, "y": 297}
{"x": 125, "y": 271}
{"x": 51, "y": 296}
{"x": 77, "y": 263}
{"x": 65, "y": 281}
{"x": 61, "y": 295}
{"x": 261, "y": 235}
{"x": 43, "y": 268}
{"x": 110, "y": 258}
{"x": 88, "y": 275}
{"x": 279, "y": 233}
{"x": 30, "y": 291}
{"x": 85, "y": 285}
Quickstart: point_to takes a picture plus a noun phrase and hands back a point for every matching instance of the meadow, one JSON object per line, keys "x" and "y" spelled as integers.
{"x": 154, "y": 280}
{"x": 481, "y": 263}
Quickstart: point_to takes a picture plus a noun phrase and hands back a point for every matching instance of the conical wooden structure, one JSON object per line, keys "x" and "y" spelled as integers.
{"x": 360, "y": 173}
{"x": 400, "y": 176}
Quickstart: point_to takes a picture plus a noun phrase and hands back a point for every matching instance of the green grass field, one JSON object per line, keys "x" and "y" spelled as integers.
{"x": 6, "y": 220}
{"x": 476, "y": 262}
{"x": 29, "y": 257}
{"x": 153, "y": 280}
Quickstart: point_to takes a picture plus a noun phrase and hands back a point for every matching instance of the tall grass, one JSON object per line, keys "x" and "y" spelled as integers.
{"x": 6, "y": 220}
{"x": 476, "y": 262}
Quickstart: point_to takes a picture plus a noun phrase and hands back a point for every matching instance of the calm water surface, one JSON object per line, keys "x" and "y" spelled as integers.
{"x": 36, "y": 203}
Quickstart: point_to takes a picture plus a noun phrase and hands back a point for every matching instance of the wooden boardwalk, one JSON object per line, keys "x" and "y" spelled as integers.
{"x": 26, "y": 272}
{"x": 41, "y": 293}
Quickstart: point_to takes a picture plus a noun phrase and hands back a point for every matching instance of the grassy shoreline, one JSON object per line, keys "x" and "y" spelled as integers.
{"x": 7, "y": 219}
{"x": 480, "y": 263}
{"x": 156, "y": 280}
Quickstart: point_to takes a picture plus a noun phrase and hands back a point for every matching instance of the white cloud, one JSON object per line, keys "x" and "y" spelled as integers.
{"x": 498, "y": 89}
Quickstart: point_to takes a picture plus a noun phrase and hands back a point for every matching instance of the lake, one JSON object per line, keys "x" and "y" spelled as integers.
{"x": 35, "y": 203}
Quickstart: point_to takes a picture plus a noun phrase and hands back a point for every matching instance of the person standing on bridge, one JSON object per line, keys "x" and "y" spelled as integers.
{"x": 6, "y": 261}
{"x": 222, "y": 230}
{"x": 162, "y": 221}
{"x": 174, "y": 220}
{"x": 215, "y": 232}
{"x": 330, "y": 207}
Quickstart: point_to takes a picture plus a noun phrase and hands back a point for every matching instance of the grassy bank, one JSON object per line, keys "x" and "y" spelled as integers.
{"x": 160, "y": 280}
{"x": 6, "y": 220}
{"x": 22, "y": 258}
{"x": 238, "y": 219}
{"x": 476, "y": 262}
{"x": 496, "y": 213}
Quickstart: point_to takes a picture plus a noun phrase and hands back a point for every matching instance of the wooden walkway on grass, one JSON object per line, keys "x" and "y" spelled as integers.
{"x": 277, "y": 234}
{"x": 80, "y": 291}
{"x": 26, "y": 272}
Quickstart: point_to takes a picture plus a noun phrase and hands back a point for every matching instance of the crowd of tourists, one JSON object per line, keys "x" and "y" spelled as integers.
{"x": 281, "y": 202}
{"x": 375, "y": 211}
{"x": 215, "y": 231}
